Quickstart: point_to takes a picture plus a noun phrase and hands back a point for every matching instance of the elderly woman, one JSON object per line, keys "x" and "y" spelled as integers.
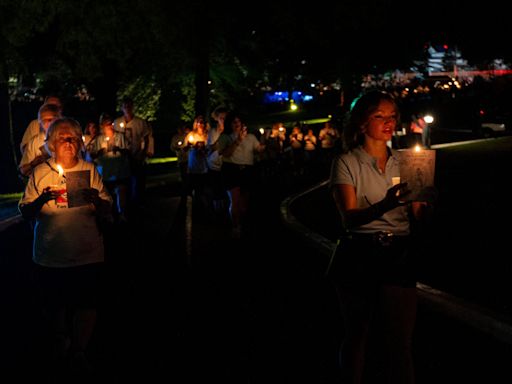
{"x": 68, "y": 249}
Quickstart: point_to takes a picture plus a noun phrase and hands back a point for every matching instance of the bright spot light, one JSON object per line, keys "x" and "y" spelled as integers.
{"x": 428, "y": 119}
{"x": 294, "y": 107}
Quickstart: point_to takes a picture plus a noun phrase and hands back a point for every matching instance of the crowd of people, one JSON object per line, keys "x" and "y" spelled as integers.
{"x": 220, "y": 161}
{"x": 78, "y": 179}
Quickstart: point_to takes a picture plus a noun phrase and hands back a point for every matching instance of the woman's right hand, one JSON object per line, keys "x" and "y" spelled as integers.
{"x": 395, "y": 197}
{"x": 49, "y": 193}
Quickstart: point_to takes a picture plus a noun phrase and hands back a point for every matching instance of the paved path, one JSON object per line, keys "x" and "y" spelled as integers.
{"x": 186, "y": 303}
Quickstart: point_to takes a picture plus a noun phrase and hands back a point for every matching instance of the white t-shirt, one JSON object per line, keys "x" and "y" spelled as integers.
{"x": 34, "y": 148}
{"x": 32, "y": 130}
{"x": 244, "y": 152}
{"x": 359, "y": 169}
{"x": 63, "y": 236}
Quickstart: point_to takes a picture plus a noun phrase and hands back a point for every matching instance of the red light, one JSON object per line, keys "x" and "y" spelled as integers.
{"x": 445, "y": 46}
{"x": 482, "y": 112}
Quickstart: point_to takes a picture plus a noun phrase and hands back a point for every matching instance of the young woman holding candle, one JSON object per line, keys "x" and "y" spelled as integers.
{"x": 68, "y": 247}
{"x": 373, "y": 267}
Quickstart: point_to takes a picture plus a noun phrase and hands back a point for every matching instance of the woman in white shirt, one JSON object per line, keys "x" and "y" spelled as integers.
{"x": 66, "y": 197}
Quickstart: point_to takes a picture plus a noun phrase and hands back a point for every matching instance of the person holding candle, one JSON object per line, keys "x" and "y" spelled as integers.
{"x": 139, "y": 141}
{"x": 197, "y": 167}
{"x": 238, "y": 147}
{"x": 68, "y": 250}
{"x": 373, "y": 266}
{"x": 110, "y": 154}
{"x": 181, "y": 149}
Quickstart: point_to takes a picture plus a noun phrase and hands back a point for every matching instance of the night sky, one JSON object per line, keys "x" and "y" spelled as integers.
{"x": 388, "y": 34}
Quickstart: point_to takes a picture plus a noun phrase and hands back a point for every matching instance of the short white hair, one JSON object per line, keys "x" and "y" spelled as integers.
{"x": 59, "y": 125}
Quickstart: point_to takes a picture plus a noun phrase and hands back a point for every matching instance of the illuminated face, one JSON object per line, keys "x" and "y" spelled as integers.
{"x": 381, "y": 123}
{"x": 107, "y": 127}
{"x": 66, "y": 144}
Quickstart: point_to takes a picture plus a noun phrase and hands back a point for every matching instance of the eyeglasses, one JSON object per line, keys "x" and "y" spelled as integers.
{"x": 70, "y": 140}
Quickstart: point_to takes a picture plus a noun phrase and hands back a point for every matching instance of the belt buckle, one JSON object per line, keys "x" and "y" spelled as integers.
{"x": 384, "y": 238}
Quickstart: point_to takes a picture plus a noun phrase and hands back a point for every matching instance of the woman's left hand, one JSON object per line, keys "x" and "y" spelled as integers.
{"x": 92, "y": 195}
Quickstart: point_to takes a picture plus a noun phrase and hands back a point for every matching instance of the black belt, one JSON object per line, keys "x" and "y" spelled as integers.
{"x": 382, "y": 238}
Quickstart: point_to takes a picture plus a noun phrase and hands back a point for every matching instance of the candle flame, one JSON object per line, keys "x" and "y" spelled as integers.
{"x": 60, "y": 169}
{"x": 107, "y": 138}
{"x": 417, "y": 148}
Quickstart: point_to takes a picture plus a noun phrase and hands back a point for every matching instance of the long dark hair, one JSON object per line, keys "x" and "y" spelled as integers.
{"x": 359, "y": 114}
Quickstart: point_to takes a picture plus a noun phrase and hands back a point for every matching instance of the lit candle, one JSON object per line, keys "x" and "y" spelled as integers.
{"x": 191, "y": 139}
{"x": 262, "y": 131}
{"x": 417, "y": 148}
{"x": 121, "y": 125}
{"x": 61, "y": 171}
{"x": 58, "y": 188}
{"x": 180, "y": 143}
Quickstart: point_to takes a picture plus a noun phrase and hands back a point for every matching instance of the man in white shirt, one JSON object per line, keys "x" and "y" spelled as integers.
{"x": 34, "y": 126}
{"x": 35, "y": 152}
